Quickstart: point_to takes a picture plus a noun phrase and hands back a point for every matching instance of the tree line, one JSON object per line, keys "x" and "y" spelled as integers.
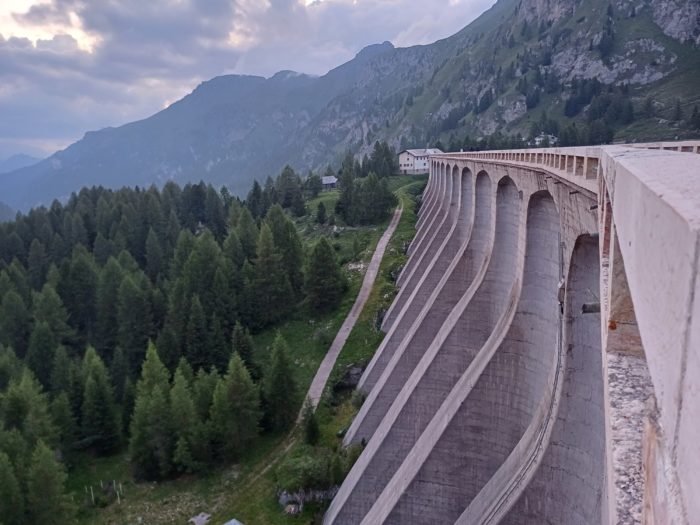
{"x": 125, "y": 321}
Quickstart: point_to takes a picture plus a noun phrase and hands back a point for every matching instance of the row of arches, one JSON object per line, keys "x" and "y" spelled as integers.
{"x": 470, "y": 375}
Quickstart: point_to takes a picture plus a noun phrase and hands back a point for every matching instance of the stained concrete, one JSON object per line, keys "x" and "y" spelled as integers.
{"x": 568, "y": 485}
{"x": 486, "y": 420}
{"x": 423, "y": 312}
{"x": 418, "y": 389}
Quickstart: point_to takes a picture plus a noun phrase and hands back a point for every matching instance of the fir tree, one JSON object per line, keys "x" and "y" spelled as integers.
{"x": 37, "y": 264}
{"x": 311, "y": 431}
{"x": 321, "y": 213}
{"x": 280, "y": 388}
{"x": 203, "y": 386}
{"x": 101, "y": 424}
{"x": 40, "y": 354}
{"x": 235, "y": 411}
{"x": 48, "y": 307}
{"x": 151, "y": 444}
{"x": 247, "y": 234}
{"x": 134, "y": 320}
{"x": 14, "y": 323}
{"x": 154, "y": 256}
{"x": 271, "y": 289}
{"x": 288, "y": 243}
{"x": 64, "y": 421}
{"x": 26, "y": 408}
{"x": 60, "y": 372}
{"x": 11, "y": 500}
{"x": 196, "y": 337}
{"x": 185, "y": 421}
{"x": 47, "y": 501}
{"x": 107, "y": 325}
{"x": 325, "y": 283}
{"x": 242, "y": 344}
{"x": 218, "y": 347}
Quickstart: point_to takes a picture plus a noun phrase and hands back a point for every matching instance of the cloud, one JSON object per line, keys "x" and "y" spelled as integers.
{"x": 68, "y": 66}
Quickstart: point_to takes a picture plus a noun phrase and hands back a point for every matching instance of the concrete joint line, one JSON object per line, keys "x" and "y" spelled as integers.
{"x": 403, "y": 477}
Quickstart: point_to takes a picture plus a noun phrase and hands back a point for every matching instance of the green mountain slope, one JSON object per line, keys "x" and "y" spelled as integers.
{"x": 585, "y": 71}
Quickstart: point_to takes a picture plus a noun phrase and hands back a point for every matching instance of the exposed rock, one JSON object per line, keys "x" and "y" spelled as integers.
{"x": 679, "y": 19}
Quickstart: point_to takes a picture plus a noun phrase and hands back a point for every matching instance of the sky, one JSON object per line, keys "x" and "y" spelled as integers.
{"x": 71, "y": 66}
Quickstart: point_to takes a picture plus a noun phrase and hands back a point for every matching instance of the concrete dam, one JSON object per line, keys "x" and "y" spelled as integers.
{"x": 541, "y": 363}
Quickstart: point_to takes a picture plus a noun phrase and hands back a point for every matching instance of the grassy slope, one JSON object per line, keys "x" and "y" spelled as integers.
{"x": 241, "y": 491}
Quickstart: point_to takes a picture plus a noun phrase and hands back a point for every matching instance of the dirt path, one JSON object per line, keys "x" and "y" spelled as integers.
{"x": 324, "y": 370}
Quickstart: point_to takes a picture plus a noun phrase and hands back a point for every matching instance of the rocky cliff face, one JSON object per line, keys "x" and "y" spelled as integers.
{"x": 515, "y": 66}
{"x": 679, "y": 19}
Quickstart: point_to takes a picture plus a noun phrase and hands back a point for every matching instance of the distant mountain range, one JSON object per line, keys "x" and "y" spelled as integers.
{"x": 16, "y": 162}
{"x": 235, "y": 128}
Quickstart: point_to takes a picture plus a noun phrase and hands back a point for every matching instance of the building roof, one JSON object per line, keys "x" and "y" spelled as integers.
{"x": 330, "y": 179}
{"x": 422, "y": 152}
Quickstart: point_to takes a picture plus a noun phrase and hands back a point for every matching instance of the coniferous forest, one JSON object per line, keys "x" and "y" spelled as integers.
{"x": 125, "y": 324}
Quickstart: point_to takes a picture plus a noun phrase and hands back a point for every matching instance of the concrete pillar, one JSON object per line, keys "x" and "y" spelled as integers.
{"x": 568, "y": 485}
{"x": 456, "y": 343}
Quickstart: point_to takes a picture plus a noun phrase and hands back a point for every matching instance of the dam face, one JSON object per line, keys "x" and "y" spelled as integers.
{"x": 521, "y": 378}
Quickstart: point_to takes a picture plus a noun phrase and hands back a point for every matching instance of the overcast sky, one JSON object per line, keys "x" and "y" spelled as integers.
{"x": 69, "y": 66}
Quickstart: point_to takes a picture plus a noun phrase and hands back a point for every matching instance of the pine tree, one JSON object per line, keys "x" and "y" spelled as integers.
{"x": 185, "y": 421}
{"x": 280, "y": 388}
{"x": 60, "y": 372}
{"x": 235, "y": 411}
{"x": 134, "y": 319}
{"x": 242, "y": 344}
{"x": 271, "y": 289}
{"x": 40, "y": 354}
{"x": 196, "y": 337}
{"x": 107, "y": 307}
{"x": 313, "y": 184}
{"x": 203, "y": 386}
{"x": 151, "y": 444}
{"x": 101, "y": 424}
{"x": 78, "y": 290}
{"x": 11, "y": 500}
{"x": 47, "y": 501}
{"x": 14, "y": 323}
{"x": 37, "y": 264}
{"x": 48, "y": 307}
{"x": 63, "y": 419}
{"x": 678, "y": 111}
{"x": 321, "y": 213}
{"x": 154, "y": 256}
{"x": 311, "y": 431}
{"x": 287, "y": 241}
{"x": 325, "y": 283}
{"x": 26, "y": 408}
{"x": 247, "y": 233}
{"x": 218, "y": 347}
{"x": 695, "y": 119}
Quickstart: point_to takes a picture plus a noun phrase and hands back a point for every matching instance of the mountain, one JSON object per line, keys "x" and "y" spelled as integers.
{"x": 6, "y": 213}
{"x": 16, "y": 162}
{"x": 585, "y": 70}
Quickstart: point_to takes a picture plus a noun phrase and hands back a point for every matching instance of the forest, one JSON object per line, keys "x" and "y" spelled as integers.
{"x": 126, "y": 320}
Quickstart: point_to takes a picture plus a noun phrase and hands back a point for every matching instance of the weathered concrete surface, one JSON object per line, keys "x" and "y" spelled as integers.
{"x": 567, "y": 487}
{"x": 440, "y": 248}
{"x": 488, "y": 411}
{"x": 486, "y": 420}
{"x": 442, "y": 284}
{"x": 411, "y": 385}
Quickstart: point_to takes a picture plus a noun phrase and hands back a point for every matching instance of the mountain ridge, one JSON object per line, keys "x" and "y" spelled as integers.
{"x": 234, "y": 128}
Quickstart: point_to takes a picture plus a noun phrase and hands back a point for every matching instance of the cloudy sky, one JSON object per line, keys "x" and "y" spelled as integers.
{"x": 68, "y": 66}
